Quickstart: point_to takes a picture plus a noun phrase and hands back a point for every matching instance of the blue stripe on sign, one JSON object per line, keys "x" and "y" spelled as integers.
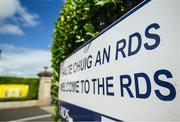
{"x": 70, "y": 112}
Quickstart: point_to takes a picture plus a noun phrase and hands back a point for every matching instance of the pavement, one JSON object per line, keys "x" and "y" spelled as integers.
{"x": 26, "y": 114}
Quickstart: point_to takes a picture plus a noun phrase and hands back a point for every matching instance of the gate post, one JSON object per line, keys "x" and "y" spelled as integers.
{"x": 44, "y": 95}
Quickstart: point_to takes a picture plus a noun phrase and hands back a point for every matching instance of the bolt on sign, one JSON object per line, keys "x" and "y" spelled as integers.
{"x": 130, "y": 72}
{"x": 13, "y": 90}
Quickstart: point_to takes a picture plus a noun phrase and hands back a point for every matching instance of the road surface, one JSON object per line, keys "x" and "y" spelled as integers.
{"x": 26, "y": 114}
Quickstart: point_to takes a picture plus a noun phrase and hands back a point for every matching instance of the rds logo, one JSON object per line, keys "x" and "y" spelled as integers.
{"x": 64, "y": 113}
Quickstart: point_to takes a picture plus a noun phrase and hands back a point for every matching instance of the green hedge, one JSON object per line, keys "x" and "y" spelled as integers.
{"x": 79, "y": 21}
{"x": 33, "y": 87}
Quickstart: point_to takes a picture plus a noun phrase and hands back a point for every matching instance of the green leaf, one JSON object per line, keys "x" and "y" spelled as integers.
{"x": 62, "y": 18}
{"x": 101, "y": 2}
{"x": 86, "y": 8}
{"x": 89, "y": 27}
{"x": 92, "y": 34}
{"x": 78, "y": 37}
{"x": 80, "y": 40}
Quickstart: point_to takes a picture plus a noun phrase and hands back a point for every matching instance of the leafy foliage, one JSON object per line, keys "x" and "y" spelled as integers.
{"x": 79, "y": 21}
{"x": 33, "y": 87}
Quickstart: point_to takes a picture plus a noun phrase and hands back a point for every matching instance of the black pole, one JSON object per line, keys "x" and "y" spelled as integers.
{"x": 45, "y": 68}
{"x": 0, "y": 53}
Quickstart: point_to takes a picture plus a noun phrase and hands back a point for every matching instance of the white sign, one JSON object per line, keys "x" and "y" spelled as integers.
{"x": 132, "y": 70}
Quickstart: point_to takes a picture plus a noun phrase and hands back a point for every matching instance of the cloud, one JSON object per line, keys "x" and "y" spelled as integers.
{"x": 8, "y": 8}
{"x": 24, "y": 62}
{"x": 30, "y": 19}
{"x": 11, "y": 29}
{"x": 13, "y": 10}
